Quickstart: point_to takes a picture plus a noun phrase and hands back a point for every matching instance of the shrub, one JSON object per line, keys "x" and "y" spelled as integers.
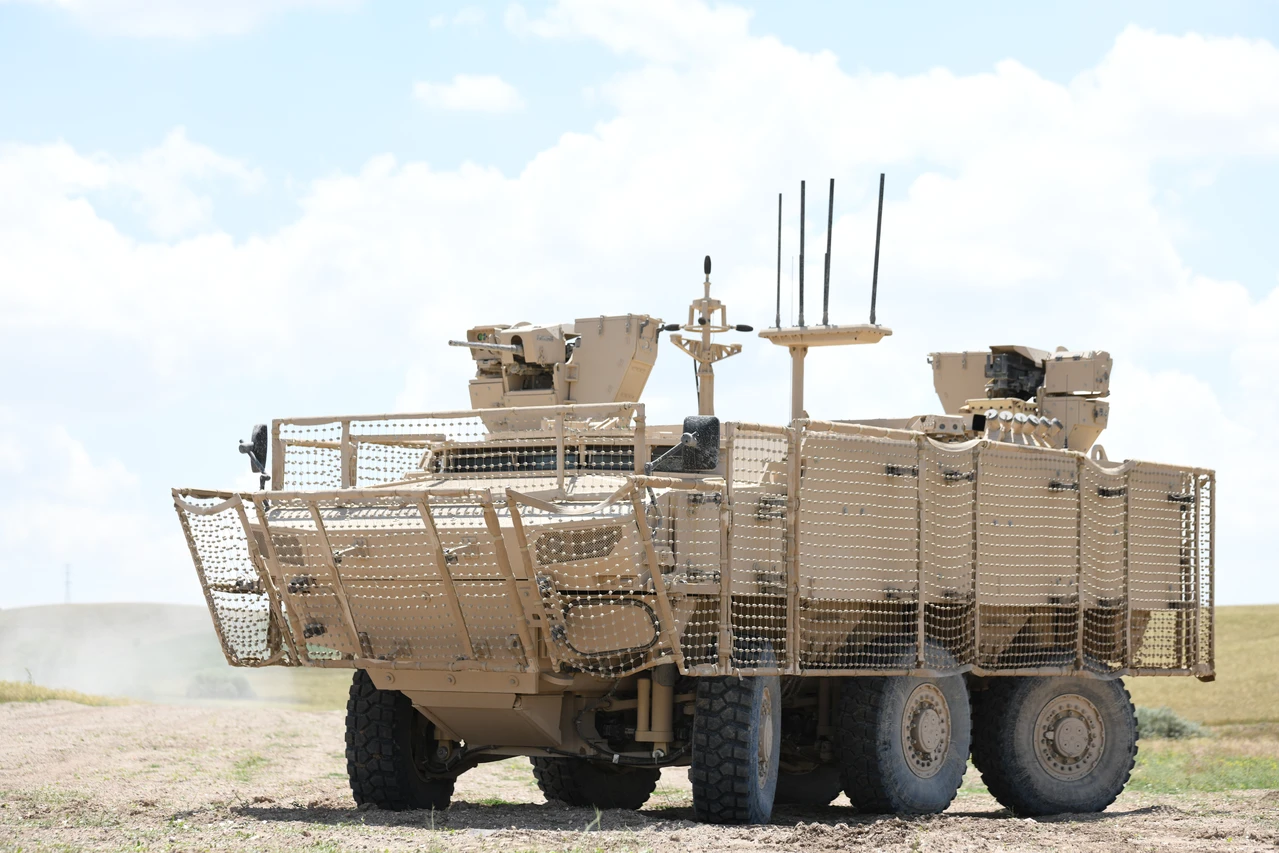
{"x": 1164, "y": 722}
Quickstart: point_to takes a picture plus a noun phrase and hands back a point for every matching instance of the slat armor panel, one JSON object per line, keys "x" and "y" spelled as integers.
{"x": 823, "y": 549}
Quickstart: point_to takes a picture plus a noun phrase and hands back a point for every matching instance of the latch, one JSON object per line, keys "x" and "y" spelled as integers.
{"x": 452, "y": 555}
{"x": 357, "y": 548}
{"x": 301, "y": 585}
{"x": 771, "y": 506}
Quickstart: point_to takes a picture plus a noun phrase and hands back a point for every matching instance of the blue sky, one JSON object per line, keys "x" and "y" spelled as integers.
{"x": 205, "y": 208}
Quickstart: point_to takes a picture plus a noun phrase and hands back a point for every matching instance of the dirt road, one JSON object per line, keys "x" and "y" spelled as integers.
{"x": 151, "y": 777}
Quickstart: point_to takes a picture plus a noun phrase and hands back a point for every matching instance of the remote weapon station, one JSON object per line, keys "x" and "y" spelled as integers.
{"x": 790, "y": 610}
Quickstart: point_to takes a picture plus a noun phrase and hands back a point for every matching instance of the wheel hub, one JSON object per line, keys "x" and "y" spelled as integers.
{"x": 763, "y": 761}
{"x": 1069, "y": 737}
{"x": 925, "y": 731}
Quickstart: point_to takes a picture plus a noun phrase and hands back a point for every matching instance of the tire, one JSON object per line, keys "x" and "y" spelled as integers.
{"x": 387, "y": 746}
{"x": 1021, "y": 721}
{"x": 577, "y": 782}
{"x": 818, "y": 787}
{"x": 736, "y": 748}
{"x": 903, "y": 742}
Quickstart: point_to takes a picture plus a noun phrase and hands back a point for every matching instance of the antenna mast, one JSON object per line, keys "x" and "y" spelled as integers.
{"x": 702, "y": 322}
{"x": 874, "y": 276}
{"x": 799, "y": 338}
{"x": 779, "y": 260}
{"x": 830, "y": 221}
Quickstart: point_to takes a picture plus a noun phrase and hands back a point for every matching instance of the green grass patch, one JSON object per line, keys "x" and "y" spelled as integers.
{"x": 18, "y": 691}
{"x": 244, "y": 769}
{"x": 1221, "y": 763}
{"x": 494, "y": 801}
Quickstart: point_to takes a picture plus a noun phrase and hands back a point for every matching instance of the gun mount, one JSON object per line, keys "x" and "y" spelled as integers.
{"x": 592, "y": 360}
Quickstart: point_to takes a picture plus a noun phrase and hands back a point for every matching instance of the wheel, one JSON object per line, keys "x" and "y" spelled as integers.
{"x": 389, "y": 746}
{"x": 903, "y": 741}
{"x": 577, "y": 782}
{"x": 736, "y": 748}
{"x": 817, "y": 787}
{"x": 1054, "y": 745}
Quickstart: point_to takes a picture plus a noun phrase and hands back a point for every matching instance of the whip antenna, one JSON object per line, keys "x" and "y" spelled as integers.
{"x": 778, "y": 324}
{"x": 830, "y": 219}
{"x": 874, "y": 276}
{"x": 801, "y": 253}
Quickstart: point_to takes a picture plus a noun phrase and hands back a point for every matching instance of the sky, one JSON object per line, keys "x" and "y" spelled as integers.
{"x": 217, "y": 212}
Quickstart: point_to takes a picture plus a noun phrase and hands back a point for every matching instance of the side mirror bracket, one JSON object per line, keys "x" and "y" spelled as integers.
{"x": 256, "y": 449}
{"x": 698, "y": 448}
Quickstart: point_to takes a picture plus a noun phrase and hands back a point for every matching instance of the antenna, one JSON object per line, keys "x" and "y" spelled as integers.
{"x": 874, "y": 276}
{"x": 706, "y": 317}
{"x": 830, "y": 220}
{"x": 801, "y": 253}
{"x": 779, "y": 261}
{"x": 799, "y": 338}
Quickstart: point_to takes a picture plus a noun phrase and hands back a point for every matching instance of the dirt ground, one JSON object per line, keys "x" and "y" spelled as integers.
{"x": 154, "y": 777}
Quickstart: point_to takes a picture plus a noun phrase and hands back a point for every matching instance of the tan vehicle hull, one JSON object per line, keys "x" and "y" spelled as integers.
{"x": 502, "y": 597}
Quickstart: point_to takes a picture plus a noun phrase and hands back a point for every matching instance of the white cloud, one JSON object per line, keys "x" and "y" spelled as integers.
{"x": 478, "y": 93}
{"x": 1019, "y": 210}
{"x": 86, "y": 513}
{"x": 181, "y": 19}
{"x": 161, "y": 184}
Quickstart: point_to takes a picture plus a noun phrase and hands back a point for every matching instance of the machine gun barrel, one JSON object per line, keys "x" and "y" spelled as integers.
{"x": 515, "y": 348}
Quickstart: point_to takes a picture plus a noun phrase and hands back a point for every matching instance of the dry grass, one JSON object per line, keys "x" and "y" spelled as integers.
{"x": 17, "y": 691}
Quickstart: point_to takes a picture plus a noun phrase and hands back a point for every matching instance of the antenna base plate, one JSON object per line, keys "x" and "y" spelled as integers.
{"x": 826, "y": 336}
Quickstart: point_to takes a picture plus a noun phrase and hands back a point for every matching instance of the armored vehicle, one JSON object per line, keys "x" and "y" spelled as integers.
{"x": 790, "y": 610}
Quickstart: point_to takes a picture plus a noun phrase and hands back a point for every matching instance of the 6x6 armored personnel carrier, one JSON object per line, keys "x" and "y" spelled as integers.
{"x": 791, "y": 610}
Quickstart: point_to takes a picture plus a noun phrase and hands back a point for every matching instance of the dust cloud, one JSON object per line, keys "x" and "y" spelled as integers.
{"x": 163, "y": 653}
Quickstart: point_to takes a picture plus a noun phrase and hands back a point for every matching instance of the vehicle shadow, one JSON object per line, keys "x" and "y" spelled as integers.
{"x": 556, "y": 817}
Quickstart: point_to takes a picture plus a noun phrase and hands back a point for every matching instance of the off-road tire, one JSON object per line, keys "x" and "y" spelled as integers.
{"x": 877, "y": 776}
{"x": 1005, "y": 739}
{"x": 818, "y": 787}
{"x": 381, "y": 729}
{"x": 732, "y": 781}
{"x": 577, "y": 782}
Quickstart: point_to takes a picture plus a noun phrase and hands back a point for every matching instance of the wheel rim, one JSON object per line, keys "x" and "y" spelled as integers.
{"x": 925, "y": 730}
{"x": 1069, "y": 737}
{"x": 764, "y": 760}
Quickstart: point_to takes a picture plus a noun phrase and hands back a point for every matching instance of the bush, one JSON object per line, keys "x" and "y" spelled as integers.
{"x": 1164, "y": 722}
